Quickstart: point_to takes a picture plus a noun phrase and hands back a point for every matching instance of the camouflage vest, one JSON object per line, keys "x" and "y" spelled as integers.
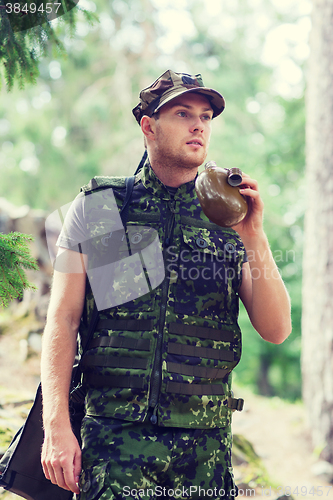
{"x": 174, "y": 347}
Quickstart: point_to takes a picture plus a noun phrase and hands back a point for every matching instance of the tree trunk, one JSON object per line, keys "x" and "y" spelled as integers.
{"x": 317, "y": 320}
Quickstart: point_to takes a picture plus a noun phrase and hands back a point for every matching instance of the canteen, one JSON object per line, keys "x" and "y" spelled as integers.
{"x": 219, "y": 196}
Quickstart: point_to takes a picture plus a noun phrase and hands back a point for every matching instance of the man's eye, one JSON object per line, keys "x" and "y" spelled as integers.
{"x": 207, "y": 117}
{"x": 182, "y": 113}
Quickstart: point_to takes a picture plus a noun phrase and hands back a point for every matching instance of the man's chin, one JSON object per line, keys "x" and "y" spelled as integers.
{"x": 194, "y": 162}
{"x": 189, "y": 165}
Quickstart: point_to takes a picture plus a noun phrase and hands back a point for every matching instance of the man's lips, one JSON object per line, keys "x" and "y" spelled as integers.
{"x": 195, "y": 142}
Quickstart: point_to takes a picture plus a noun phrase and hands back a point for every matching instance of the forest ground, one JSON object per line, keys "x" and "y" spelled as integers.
{"x": 276, "y": 429}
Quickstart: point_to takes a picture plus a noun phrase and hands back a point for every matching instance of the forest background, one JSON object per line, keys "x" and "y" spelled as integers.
{"x": 76, "y": 122}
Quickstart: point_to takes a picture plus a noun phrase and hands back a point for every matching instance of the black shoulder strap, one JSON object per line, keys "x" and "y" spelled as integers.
{"x": 129, "y": 183}
{"x": 143, "y": 159}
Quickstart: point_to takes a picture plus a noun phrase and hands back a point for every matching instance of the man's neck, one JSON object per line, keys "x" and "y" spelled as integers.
{"x": 174, "y": 177}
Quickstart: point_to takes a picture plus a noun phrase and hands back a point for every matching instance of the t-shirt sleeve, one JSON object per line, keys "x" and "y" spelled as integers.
{"x": 74, "y": 231}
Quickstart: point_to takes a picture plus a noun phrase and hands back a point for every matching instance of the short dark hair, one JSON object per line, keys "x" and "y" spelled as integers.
{"x": 156, "y": 115}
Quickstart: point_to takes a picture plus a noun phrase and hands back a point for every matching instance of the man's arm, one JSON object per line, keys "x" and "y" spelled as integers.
{"x": 61, "y": 454}
{"x": 262, "y": 291}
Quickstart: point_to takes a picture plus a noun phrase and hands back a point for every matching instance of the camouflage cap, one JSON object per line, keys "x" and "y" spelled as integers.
{"x": 171, "y": 85}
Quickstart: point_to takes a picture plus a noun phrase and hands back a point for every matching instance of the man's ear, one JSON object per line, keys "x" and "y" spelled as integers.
{"x": 148, "y": 127}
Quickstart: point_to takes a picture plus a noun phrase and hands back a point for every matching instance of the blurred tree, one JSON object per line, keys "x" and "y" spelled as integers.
{"x": 317, "y": 321}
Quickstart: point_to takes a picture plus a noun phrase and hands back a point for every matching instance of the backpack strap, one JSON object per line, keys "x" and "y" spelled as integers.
{"x": 76, "y": 376}
{"x": 101, "y": 182}
{"x": 129, "y": 184}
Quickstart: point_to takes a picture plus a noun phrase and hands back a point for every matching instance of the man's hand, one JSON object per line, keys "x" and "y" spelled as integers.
{"x": 61, "y": 458}
{"x": 252, "y": 225}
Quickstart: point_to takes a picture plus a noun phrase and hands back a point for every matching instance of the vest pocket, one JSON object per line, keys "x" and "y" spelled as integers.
{"x": 120, "y": 362}
{"x": 208, "y": 275}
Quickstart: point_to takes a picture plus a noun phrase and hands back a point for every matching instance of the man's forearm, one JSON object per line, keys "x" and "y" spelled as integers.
{"x": 59, "y": 347}
{"x": 269, "y": 306}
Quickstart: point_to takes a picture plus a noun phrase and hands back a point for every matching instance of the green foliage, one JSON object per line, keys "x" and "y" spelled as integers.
{"x": 14, "y": 259}
{"x": 27, "y": 35}
{"x": 248, "y": 462}
{"x": 6, "y": 435}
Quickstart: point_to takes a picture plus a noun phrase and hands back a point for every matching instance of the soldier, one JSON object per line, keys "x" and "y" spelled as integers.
{"x": 158, "y": 371}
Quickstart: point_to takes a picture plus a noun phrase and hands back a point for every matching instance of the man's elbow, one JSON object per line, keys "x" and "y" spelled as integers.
{"x": 277, "y": 335}
{"x": 277, "y": 332}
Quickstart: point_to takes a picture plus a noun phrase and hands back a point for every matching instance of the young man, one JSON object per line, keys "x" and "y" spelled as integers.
{"x": 158, "y": 372}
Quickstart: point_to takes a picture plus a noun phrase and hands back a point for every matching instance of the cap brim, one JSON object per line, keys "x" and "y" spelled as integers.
{"x": 216, "y": 99}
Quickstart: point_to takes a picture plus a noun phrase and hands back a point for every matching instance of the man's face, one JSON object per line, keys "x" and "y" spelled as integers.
{"x": 182, "y": 131}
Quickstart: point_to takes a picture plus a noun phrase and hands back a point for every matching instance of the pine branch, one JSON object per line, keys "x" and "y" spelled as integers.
{"x": 14, "y": 259}
{"x": 26, "y": 36}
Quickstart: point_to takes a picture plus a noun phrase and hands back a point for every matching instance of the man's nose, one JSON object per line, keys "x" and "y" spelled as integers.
{"x": 196, "y": 125}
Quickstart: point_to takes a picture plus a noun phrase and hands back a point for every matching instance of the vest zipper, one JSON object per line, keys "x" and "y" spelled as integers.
{"x": 156, "y": 375}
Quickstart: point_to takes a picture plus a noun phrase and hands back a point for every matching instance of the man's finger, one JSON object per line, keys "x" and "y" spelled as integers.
{"x": 71, "y": 477}
{"x": 46, "y": 471}
{"x": 60, "y": 477}
{"x": 77, "y": 466}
